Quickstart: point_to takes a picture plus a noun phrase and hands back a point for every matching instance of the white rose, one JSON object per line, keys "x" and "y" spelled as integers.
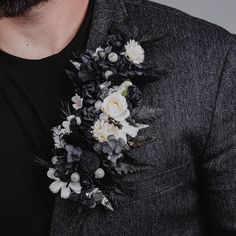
{"x": 115, "y": 106}
{"x": 102, "y": 129}
{"x": 134, "y": 52}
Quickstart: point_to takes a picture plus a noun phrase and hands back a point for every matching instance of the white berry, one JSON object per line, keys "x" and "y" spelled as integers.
{"x": 113, "y": 57}
{"x": 99, "y": 173}
{"x": 103, "y": 116}
{"x": 98, "y": 105}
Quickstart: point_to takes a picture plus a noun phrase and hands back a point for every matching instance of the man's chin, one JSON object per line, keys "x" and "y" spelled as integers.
{"x": 17, "y": 8}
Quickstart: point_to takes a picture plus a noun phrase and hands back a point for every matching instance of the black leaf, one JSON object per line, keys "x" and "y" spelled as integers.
{"x": 139, "y": 141}
{"x": 129, "y": 165}
{"x": 145, "y": 114}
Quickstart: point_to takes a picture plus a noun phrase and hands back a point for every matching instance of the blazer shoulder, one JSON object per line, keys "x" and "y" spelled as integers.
{"x": 178, "y": 23}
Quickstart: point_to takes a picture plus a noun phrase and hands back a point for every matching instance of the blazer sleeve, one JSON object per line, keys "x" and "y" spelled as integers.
{"x": 218, "y": 163}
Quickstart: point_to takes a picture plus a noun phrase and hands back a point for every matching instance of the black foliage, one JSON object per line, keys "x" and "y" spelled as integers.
{"x": 145, "y": 114}
{"x": 140, "y": 141}
{"x": 129, "y": 165}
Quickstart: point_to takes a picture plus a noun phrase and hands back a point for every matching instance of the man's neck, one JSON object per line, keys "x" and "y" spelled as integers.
{"x": 45, "y": 31}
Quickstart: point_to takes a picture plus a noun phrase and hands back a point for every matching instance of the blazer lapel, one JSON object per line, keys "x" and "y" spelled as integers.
{"x": 106, "y": 13}
{"x": 109, "y": 14}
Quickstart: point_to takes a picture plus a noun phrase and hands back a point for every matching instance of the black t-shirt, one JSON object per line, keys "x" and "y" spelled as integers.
{"x": 31, "y": 92}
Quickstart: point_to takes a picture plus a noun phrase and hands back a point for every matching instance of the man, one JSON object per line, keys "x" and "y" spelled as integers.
{"x": 36, "y": 39}
{"x": 191, "y": 188}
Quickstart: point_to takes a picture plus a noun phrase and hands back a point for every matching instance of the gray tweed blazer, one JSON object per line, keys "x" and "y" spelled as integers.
{"x": 191, "y": 188}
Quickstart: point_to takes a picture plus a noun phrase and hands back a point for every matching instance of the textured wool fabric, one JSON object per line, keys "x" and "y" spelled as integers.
{"x": 191, "y": 188}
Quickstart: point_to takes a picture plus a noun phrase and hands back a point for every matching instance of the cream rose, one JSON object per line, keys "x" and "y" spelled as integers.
{"x": 115, "y": 106}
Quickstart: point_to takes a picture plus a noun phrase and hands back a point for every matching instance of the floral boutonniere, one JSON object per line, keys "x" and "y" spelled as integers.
{"x": 102, "y": 124}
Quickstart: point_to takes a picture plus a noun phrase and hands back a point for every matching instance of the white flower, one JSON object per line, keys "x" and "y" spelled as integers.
{"x": 78, "y": 102}
{"x": 58, "y": 141}
{"x": 66, "y": 124}
{"x": 129, "y": 130}
{"x": 102, "y": 129}
{"x": 65, "y": 188}
{"x": 122, "y": 89}
{"x": 115, "y": 106}
{"x": 134, "y": 52}
{"x": 96, "y": 53}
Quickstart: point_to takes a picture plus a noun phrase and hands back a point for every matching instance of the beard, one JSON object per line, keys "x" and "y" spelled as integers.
{"x": 16, "y": 8}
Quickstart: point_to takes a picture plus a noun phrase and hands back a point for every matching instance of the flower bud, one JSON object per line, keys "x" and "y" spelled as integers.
{"x": 99, "y": 173}
{"x": 75, "y": 177}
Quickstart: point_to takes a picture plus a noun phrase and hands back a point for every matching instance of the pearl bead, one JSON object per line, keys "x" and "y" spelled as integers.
{"x": 75, "y": 177}
{"x": 113, "y": 57}
{"x": 98, "y": 105}
{"x": 99, "y": 173}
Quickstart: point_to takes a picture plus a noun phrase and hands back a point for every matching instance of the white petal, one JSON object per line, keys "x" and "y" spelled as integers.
{"x": 66, "y": 124}
{"x": 125, "y": 114}
{"x": 121, "y": 134}
{"x": 56, "y": 186}
{"x": 76, "y": 187}
{"x": 130, "y": 130}
{"x": 76, "y": 107}
{"x": 65, "y": 191}
{"x": 50, "y": 174}
{"x": 78, "y": 120}
{"x": 142, "y": 126}
{"x": 69, "y": 118}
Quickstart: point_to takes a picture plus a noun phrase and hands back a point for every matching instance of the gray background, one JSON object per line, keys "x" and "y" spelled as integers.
{"x": 220, "y": 12}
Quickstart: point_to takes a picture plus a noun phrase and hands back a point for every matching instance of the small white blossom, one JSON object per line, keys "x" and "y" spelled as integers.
{"x": 78, "y": 102}
{"x": 102, "y": 129}
{"x": 58, "y": 141}
{"x": 98, "y": 49}
{"x": 66, "y": 124}
{"x": 134, "y": 52}
{"x": 65, "y": 188}
{"x": 130, "y": 130}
